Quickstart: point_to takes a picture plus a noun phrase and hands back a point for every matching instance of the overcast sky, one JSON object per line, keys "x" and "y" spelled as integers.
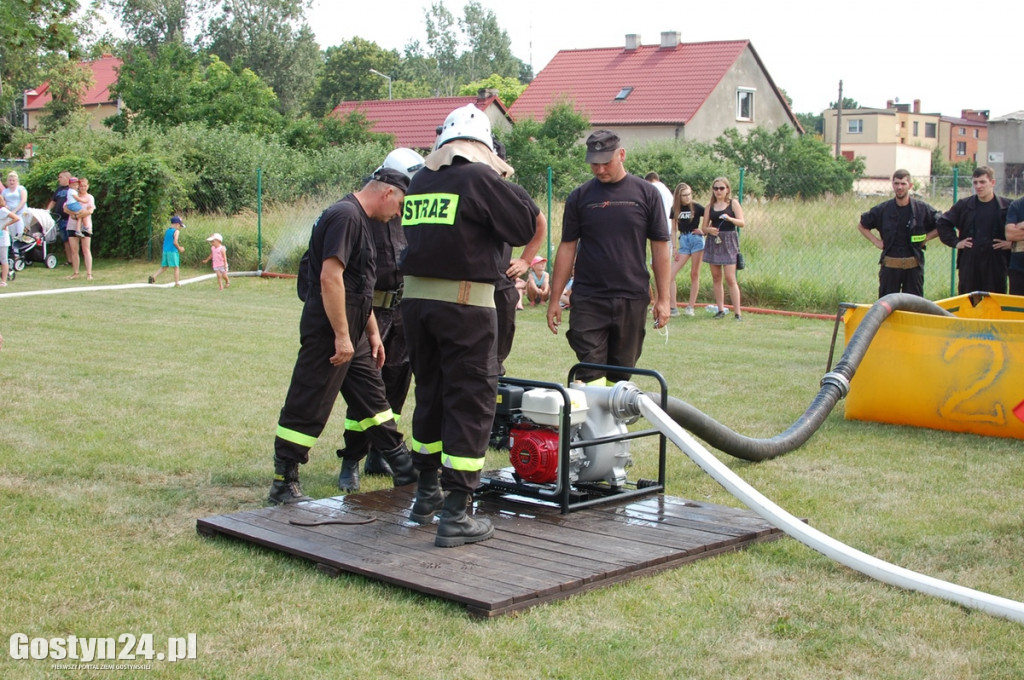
{"x": 880, "y": 50}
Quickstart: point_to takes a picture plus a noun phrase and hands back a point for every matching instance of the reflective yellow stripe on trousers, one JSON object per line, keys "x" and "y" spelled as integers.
{"x": 295, "y": 437}
{"x": 366, "y": 423}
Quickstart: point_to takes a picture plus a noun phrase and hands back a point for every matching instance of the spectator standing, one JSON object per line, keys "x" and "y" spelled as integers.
{"x": 56, "y": 206}
{"x": 904, "y": 224}
{"x": 8, "y": 222}
{"x": 722, "y": 245}
{"x": 219, "y": 259}
{"x": 79, "y": 228}
{"x": 688, "y": 241}
{"x": 976, "y": 227}
{"x": 606, "y": 225}
{"x": 1015, "y": 234}
{"x": 666, "y": 199}
{"x": 458, "y": 217}
{"x": 172, "y": 250}
{"x": 16, "y": 197}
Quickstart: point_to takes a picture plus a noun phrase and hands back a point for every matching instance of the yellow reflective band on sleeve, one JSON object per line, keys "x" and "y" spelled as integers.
{"x": 295, "y": 437}
{"x": 918, "y": 238}
{"x": 366, "y": 423}
{"x": 425, "y": 447}
{"x": 600, "y": 382}
{"x": 429, "y": 209}
{"x": 462, "y": 464}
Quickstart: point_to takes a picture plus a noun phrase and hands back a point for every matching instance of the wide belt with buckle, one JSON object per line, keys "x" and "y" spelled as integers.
{"x": 900, "y": 262}
{"x": 387, "y": 299}
{"x": 473, "y": 293}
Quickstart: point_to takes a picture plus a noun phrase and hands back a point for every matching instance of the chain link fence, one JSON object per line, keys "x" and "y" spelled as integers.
{"x": 801, "y": 255}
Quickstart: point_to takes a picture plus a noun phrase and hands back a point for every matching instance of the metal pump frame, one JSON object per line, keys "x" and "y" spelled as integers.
{"x": 568, "y": 497}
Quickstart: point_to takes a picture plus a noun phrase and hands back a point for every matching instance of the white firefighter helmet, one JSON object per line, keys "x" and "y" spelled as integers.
{"x": 466, "y": 122}
{"x": 405, "y": 160}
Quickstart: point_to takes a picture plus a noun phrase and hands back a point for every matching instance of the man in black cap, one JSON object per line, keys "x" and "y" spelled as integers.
{"x": 605, "y": 229}
{"x": 338, "y": 332}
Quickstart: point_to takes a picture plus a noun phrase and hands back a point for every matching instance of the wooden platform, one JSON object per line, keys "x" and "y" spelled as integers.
{"x": 537, "y": 554}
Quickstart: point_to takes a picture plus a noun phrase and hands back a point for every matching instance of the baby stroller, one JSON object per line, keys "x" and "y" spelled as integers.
{"x": 31, "y": 246}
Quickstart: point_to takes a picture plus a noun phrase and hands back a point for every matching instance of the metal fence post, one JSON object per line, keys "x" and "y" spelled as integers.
{"x": 549, "y": 266}
{"x": 259, "y": 219}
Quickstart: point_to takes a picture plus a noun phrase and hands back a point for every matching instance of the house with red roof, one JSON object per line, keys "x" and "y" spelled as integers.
{"x": 669, "y": 91}
{"x": 414, "y": 122}
{"x": 98, "y": 100}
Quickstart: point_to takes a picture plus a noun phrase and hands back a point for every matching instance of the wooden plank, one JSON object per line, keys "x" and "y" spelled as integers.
{"x": 537, "y": 554}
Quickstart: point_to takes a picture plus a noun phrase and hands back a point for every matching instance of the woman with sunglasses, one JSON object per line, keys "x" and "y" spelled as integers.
{"x": 723, "y": 215}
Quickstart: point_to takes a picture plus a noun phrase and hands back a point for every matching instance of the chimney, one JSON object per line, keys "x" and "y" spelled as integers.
{"x": 888, "y": 103}
{"x": 632, "y": 41}
{"x": 485, "y": 93}
{"x": 917, "y": 106}
{"x": 669, "y": 39}
{"x": 974, "y": 114}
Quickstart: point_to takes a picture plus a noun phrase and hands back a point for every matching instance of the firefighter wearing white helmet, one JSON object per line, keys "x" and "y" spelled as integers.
{"x": 467, "y": 122}
{"x": 389, "y": 243}
{"x": 457, "y": 216}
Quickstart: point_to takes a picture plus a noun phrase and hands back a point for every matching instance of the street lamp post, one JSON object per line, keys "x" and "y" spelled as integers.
{"x": 378, "y": 73}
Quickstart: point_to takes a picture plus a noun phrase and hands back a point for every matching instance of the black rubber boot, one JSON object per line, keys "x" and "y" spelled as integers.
{"x": 429, "y": 498}
{"x": 458, "y": 528}
{"x": 286, "y": 490}
{"x": 348, "y": 478}
{"x": 375, "y": 464}
{"x": 400, "y": 461}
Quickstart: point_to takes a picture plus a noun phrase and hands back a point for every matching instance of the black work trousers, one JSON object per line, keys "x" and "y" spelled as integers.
{"x": 452, "y": 353}
{"x": 606, "y": 331}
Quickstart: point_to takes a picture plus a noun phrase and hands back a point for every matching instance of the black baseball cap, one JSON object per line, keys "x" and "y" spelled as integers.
{"x": 601, "y": 146}
{"x": 392, "y": 177}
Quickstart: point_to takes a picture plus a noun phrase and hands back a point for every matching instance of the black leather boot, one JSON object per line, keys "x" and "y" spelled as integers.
{"x": 376, "y": 465}
{"x": 429, "y": 498}
{"x": 286, "y": 490}
{"x": 400, "y": 461}
{"x": 348, "y": 478}
{"x": 458, "y": 528}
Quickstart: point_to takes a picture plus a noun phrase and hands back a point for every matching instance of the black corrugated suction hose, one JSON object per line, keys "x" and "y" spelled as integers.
{"x": 834, "y": 386}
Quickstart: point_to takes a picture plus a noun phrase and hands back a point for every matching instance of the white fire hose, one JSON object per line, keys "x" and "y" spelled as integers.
{"x": 627, "y": 398}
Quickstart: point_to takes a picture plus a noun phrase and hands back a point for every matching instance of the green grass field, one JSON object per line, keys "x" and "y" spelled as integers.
{"x": 129, "y": 414}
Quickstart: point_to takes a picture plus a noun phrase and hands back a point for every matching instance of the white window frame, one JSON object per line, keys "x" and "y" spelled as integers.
{"x": 745, "y": 95}
{"x": 961, "y": 148}
{"x": 851, "y": 122}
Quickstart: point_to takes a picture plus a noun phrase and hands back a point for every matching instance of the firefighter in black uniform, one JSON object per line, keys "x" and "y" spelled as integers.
{"x": 389, "y": 244}
{"x": 457, "y": 216}
{"x": 904, "y": 225}
{"x": 338, "y": 333}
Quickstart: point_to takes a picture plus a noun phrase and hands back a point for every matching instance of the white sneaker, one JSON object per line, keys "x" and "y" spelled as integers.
{"x": 688, "y": 311}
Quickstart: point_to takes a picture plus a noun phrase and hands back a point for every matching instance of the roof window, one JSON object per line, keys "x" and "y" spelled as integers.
{"x": 623, "y": 93}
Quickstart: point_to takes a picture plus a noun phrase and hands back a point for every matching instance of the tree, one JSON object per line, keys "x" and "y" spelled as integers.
{"x": 813, "y": 123}
{"x": 175, "y": 87}
{"x": 151, "y": 23}
{"x": 272, "y": 38}
{"x": 346, "y": 74}
{"x": 443, "y": 42}
{"x": 31, "y": 31}
{"x": 847, "y": 104}
{"x": 158, "y": 88}
{"x": 68, "y": 83}
{"x": 788, "y": 164}
{"x": 508, "y": 89}
{"x": 490, "y": 48}
{"x": 534, "y": 147}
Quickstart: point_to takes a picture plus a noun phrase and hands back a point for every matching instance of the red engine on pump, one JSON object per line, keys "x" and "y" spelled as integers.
{"x": 533, "y": 453}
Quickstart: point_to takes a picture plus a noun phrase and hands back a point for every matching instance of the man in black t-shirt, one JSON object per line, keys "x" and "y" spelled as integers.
{"x": 904, "y": 225}
{"x": 338, "y": 332}
{"x": 606, "y": 226}
{"x": 976, "y": 227}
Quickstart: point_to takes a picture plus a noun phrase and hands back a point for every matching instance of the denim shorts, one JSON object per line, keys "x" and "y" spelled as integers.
{"x": 690, "y": 243}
